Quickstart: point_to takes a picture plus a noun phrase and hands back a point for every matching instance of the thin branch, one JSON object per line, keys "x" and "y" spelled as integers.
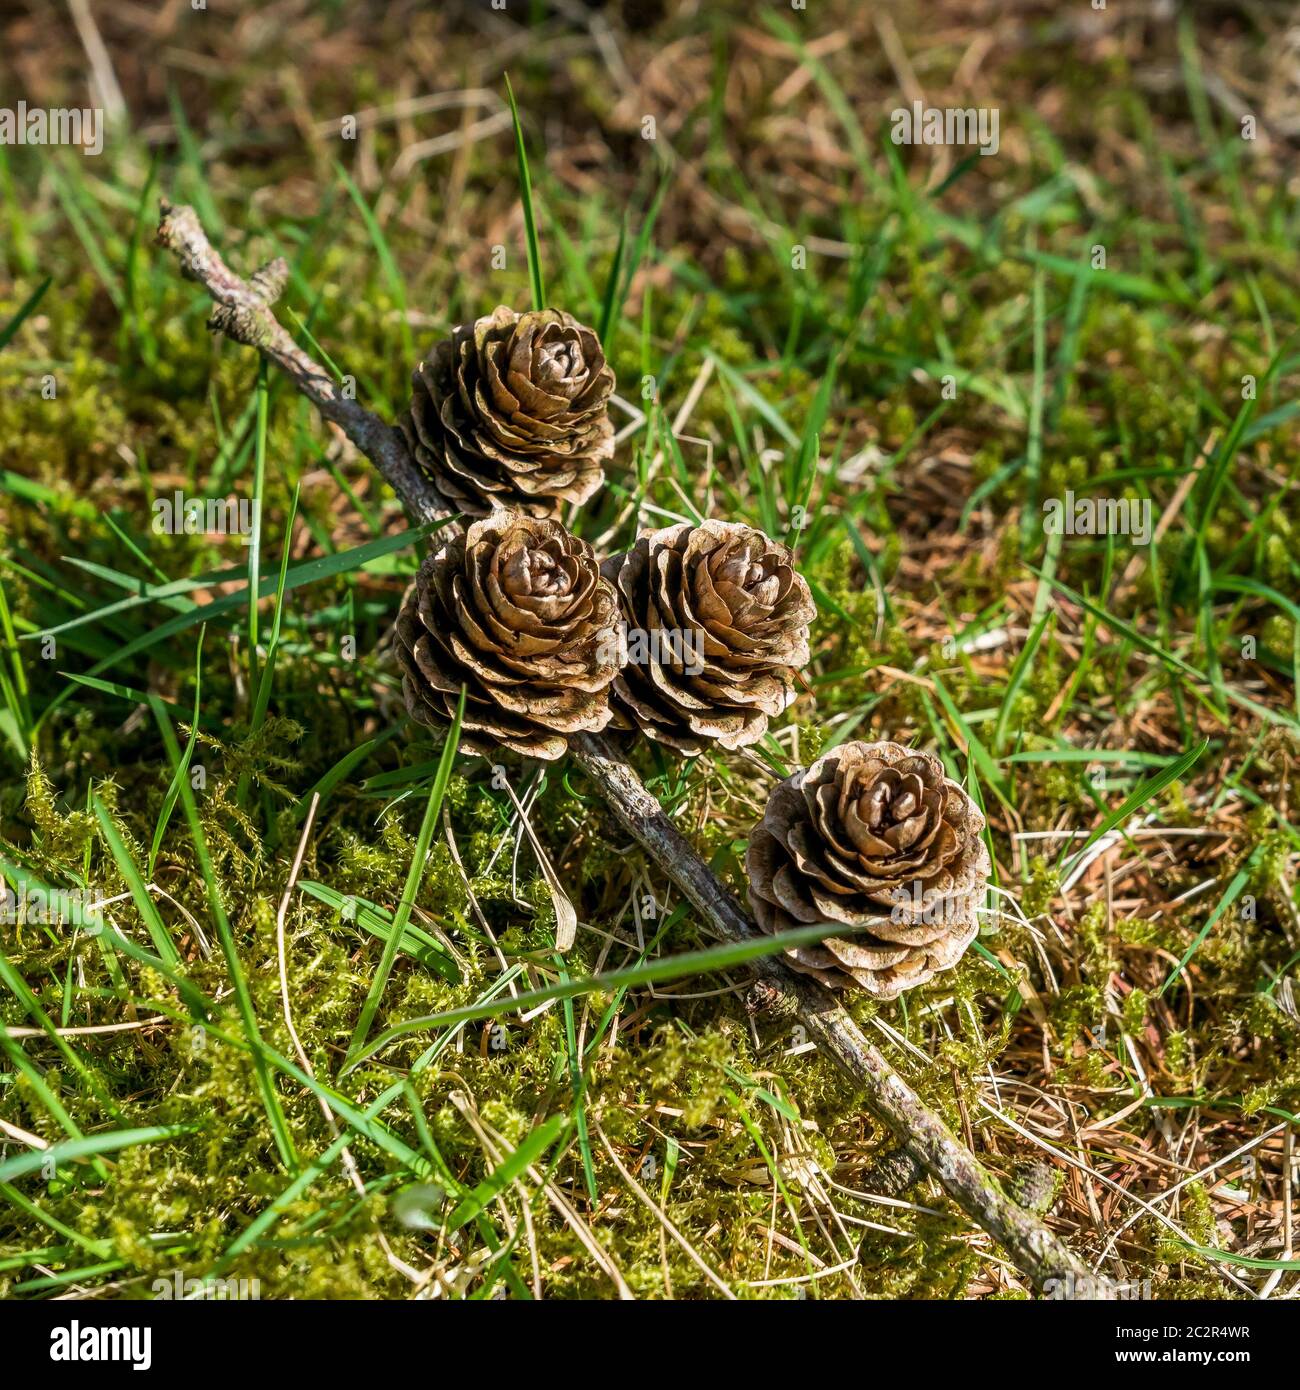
{"x": 244, "y": 313}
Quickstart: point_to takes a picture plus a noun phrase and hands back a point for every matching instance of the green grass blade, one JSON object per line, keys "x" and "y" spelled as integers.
{"x": 1230, "y": 896}
{"x": 1144, "y": 792}
{"x": 183, "y": 767}
{"x": 414, "y": 940}
{"x": 309, "y": 572}
{"x": 24, "y": 312}
{"x": 519, "y": 1161}
{"x": 339, "y": 772}
{"x": 144, "y": 904}
{"x": 577, "y": 1085}
{"x": 396, "y": 282}
{"x": 243, "y": 997}
{"x": 1021, "y": 668}
{"x": 612, "y": 284}
{"x": 70, "y": 1150}
{"x": 1226, "y": 1257}
{"x": 526, "y": 198}
{"x": 323, "y": 1161}
{"x": 682, "y": 966}
{"x": 255, "y": 540}
{"x": 416, "y": 872}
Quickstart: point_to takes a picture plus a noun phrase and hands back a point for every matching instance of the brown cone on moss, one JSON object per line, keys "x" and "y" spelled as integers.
{"x": 717, "y": 622}
{"x": 872, "y": 835}
{"x": 511, "y": 412}
{"x": 516, "y": 611}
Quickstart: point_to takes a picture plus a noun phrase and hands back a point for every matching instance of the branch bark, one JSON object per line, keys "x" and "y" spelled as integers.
{"x": 243, "y": 312}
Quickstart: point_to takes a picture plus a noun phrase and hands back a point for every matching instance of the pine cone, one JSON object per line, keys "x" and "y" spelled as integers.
{"x": 510, "y": 412}
{"x": 517, "y": 612}
{"x": 871, "y": 835}
{"x": 717, "y": 627}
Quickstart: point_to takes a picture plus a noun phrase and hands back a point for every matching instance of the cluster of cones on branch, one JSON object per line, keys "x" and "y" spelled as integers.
{"x": 693, "y": 638}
